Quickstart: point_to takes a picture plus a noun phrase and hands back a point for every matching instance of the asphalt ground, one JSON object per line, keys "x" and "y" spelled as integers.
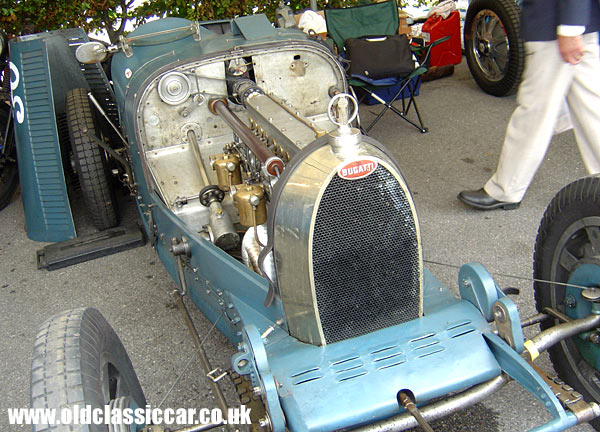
{"x": 131, "y": 289}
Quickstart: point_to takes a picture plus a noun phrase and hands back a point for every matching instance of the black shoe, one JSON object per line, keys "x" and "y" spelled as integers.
{"x": 482, "y": 201}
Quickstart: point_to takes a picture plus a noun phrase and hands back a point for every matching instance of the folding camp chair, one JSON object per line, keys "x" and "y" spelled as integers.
{"x": 379, "y": 58}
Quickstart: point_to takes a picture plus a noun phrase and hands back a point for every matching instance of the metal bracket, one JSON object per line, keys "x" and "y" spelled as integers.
{"x": 568, "y": 397}
{"x": 113, "y": 153}
{"x": 196, "y": 31}
{"x": 216, "y": 374}
{"x": 152, "y": 228}
{"x": 125, "y": 43}
{"x": 125, "y": 46}
{"x": 477, "y": 286}
{"x": 180, "y": 248}
{"x": 508, "y": 323}
{"x": 253, "y": 360}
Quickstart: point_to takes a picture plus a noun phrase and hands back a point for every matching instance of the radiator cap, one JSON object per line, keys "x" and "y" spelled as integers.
{"x": 345, "y": 139}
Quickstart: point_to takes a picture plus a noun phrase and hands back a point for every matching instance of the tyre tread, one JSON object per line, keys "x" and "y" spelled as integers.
{"x": 90, "y": 163}
{"x": 63, "y": 373}
{"x": 510, "y": 83}
{"x": 576, "y": 200}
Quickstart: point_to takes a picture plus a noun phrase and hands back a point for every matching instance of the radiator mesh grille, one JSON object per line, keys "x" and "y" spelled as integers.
{"x": 366, "y": 260}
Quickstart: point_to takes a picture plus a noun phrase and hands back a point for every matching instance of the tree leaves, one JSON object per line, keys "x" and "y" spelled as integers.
{"x": 32, "y": 16}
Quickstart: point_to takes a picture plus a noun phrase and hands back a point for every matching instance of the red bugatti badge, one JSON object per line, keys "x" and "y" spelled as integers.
{"x": 357, "y": 169}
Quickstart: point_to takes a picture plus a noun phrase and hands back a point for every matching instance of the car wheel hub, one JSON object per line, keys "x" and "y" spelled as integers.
{"x": 491, "y": 45}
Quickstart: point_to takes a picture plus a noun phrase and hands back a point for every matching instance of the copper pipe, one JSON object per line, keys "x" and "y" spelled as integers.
{"x": 273, "y": 163}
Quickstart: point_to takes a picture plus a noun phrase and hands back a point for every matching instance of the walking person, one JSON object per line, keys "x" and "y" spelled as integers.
{"x": 562, "y": 64}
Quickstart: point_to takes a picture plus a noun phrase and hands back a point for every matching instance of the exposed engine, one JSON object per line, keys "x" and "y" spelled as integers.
{"x": 261, "y": 142}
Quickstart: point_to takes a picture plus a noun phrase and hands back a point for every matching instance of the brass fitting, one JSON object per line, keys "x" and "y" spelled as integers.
{"x": 251, "y": 205}
{"x": 228, "y": 170}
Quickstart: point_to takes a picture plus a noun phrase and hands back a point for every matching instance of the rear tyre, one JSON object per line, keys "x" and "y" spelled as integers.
{"x": 493, "y": 49}
{"x": 79, "y": 360}
{"x": 90, "y": 161}
{"x": 569, "y": 237}
{"x": 9, "y": 177}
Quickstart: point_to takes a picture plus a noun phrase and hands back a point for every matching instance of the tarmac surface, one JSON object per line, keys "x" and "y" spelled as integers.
{"x": 131, "y": 289}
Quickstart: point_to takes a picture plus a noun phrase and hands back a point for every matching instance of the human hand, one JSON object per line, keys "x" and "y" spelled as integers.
{"x": 571, "y": 48}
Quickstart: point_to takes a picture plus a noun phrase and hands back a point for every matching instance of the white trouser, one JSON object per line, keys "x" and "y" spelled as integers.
{"x": 547, "y": 82}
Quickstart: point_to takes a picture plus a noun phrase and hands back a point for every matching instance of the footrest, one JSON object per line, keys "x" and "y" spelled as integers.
{"x": 89, "y": 247}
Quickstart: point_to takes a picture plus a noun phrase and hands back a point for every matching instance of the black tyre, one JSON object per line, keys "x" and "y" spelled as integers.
{"x": 568, "y": 237}
{"x": 9, "y": 177}
{"x": 493, "y": 48}
{"x": 90, "y": 161}
{"x": 79, "y": 360}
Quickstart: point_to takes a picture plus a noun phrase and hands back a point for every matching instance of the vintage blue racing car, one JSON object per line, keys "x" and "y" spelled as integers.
{"x": 292, "y": 231}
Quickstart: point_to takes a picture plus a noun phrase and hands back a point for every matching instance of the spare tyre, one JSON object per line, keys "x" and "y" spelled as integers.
{"x": 90, "y": 161}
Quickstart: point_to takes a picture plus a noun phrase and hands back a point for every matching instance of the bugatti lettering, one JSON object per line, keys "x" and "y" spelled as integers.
{"x": 357, "y": 169}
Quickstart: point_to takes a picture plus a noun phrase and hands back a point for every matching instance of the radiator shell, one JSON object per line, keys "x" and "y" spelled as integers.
{"x": 346, "y": 270}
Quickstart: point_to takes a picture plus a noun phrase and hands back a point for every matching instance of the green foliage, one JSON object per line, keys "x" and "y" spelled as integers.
{"x": 31, "y": 16}
{"x": 224, "y": 9}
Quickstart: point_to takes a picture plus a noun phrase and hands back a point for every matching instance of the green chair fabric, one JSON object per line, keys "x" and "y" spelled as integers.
{"x": 370, "y": 19}
{"x": 376, "y": 19}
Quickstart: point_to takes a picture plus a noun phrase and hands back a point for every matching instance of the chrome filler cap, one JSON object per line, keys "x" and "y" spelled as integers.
{"x": 345, "y": 139}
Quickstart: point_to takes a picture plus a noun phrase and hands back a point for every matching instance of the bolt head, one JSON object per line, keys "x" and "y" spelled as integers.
{"x": 265, "y": 422}
{"x": 499, "y": 314}
{"x": 570, "y": 301}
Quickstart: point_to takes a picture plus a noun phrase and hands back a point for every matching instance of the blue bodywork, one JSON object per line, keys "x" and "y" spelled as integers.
{"x": 40, "y": 88}
{"x": 345, "y": 384}
{"x": 305, "y": 387}
{"x": 43, "y": 70}
{"x": 450, "y": 349}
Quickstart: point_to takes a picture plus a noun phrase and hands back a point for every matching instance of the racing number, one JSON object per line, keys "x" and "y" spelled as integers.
{"x": 17, "y": 102}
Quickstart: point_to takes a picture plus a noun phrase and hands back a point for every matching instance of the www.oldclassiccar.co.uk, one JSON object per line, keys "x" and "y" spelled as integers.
{"x": 86, "y": 415}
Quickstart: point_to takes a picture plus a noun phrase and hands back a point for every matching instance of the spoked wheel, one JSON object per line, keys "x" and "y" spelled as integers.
{"x": 493, "y": 48}
{"x": 9, "y": 177}
{"x": 567, "y": 250}
{"x": 79, "y": 360}
{"x": 90, "y": 161}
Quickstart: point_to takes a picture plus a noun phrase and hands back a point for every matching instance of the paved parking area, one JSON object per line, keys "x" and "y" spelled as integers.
{"x": 132, "y": 289}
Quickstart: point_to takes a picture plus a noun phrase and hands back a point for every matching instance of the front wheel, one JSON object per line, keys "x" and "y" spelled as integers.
{"x": 494, "y": 51}
{"x": 78, "y": 360}
{"x": 567, "y": 250}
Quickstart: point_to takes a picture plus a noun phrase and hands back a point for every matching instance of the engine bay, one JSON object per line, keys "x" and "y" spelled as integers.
{"x": 279, "y": 96}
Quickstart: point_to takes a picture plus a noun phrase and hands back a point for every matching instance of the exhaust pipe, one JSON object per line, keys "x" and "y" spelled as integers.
{"x": 273, "y": 164}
